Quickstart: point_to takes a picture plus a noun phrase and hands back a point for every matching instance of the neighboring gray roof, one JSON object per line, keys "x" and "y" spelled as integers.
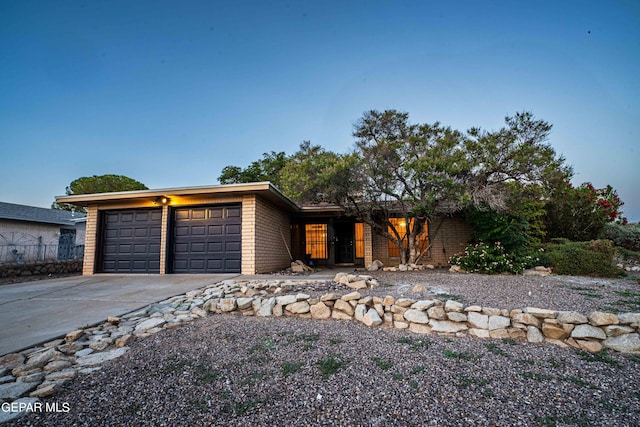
{"x": 34, "y": 214}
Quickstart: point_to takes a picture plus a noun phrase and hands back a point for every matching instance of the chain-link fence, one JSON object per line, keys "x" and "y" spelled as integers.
{"x": 40, "y": 252}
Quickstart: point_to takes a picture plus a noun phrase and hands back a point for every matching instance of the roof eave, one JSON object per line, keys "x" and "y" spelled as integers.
{"x": 266, "y": 189}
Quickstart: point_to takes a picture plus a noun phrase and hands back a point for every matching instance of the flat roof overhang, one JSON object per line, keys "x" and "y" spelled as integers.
{"x": 265, "y": 190}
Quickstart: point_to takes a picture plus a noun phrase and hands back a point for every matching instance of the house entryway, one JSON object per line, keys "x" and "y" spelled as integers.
{"x": 344, "y": 242}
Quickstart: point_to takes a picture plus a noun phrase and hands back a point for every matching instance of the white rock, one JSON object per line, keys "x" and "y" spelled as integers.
{"x": 587, "y": 331}
{"x": 150, "y": 323}
{"x": 360, "y": 284}
{"x": 452, "y": 305}
{"x": 416, "y": 316}
{"x": 629, "y": 318}
{"x": 244, "y": 303}
{"x": 423, "y": 305}
{"x": 480, "y": 333}
{"x": 400, "y": 325}
{"x": 38, "y": 360}
{"x": 351, "y": 296}
{"x": 628, "y": 343}
{"x": 571, "y": 317}
{"x": 616, "y": 330}
{"x": 360, "y": 311}
{"x": 456, "y": 317}
{"x": 541, "y": 313}
{"x": 299, "y": 307}
{"x": 343, "y": 306}
{"x": 498, "y": 322}
{"x": 371, "y": 318}
{"x": 98, "y": 358}
{"x": 286, "y": 299}
{"x": 447, "y": 326}
{"x": 320, "y": 311}
{"x": 534, "y": 334}
{"x": 227, "y": 304}
{"x": 477, "y": 320}
{"x": 266, "y": 308}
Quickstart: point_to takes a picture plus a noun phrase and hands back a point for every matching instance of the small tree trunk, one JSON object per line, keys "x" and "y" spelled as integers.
{"x": 414, "y": 240}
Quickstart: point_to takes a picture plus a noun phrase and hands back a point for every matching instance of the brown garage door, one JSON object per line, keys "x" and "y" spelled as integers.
{"x": 131, "y": 241}
{"x": 207, "y": 239}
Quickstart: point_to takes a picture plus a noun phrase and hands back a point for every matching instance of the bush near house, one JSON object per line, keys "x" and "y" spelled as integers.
{"x": 492, "y": 258}
{"x": 594, "y": 258}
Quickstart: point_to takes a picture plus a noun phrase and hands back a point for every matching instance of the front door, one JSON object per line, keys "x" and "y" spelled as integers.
{"x": 344, "y": 242}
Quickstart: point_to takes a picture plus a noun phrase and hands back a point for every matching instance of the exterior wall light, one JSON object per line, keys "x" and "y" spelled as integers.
{"x": 162, "y": 200}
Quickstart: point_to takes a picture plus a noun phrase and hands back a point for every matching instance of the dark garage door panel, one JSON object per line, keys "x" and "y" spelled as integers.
{"x": 207, "y": 239}
{"x": 131, "y": 241}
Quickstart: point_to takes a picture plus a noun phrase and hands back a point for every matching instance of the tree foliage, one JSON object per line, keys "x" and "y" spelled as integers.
{"x": 266, "y": 169}
{"x": 308, "y": 172}
{"x": 581, "y": 213}
{"x": 418, "y": 171}
{"x": 405, "y": 170}
{"x": 98, "y": 184}
{"x": 510, "y": 181}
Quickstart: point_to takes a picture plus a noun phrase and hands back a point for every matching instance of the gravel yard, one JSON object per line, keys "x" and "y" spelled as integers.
{"x": 569, "y": 293}
{"x": 235, "y": 370}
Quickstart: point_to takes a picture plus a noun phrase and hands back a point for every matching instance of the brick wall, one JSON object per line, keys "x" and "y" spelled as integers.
{"x": 448, "y": 237}
{"x": 88, "y": 266}
{"x": 271, "y": 224}
{"x": 368, "y": 248}
{"x": 248, "y": 235}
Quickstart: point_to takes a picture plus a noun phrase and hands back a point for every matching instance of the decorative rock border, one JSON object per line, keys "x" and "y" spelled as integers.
{"x": 40, "y": 371}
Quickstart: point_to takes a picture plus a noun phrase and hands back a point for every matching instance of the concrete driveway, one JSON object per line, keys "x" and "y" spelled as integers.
{"x": 35, "y": 312}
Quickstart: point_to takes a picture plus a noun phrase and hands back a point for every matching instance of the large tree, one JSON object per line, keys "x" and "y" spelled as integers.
{"x": 401, "y": 170}
{"x": 98, "y": 184}
{"x": 420, "y": 171}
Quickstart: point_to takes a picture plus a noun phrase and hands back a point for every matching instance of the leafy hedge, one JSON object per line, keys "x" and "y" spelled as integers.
{"x": 593, "y": 258}
{"x": 626, "y": 236}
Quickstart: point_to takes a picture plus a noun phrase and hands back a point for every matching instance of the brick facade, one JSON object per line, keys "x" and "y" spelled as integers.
{"x": 91, "y": 237}
{"x": 271, "y": 224}
{"x": 263, "y": 225}
{"x": 266, "y": 225}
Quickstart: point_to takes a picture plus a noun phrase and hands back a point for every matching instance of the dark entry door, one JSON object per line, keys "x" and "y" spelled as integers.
{"x": 131, "y": 241}
{"x": 207, "y": 239}
{"x": 344, "y": 242}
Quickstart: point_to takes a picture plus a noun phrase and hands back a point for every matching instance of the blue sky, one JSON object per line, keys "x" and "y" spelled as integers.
{"x": 170, "y": 92}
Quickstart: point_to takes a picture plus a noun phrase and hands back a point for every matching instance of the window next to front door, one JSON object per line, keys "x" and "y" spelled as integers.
{"x": 316, "y": 241}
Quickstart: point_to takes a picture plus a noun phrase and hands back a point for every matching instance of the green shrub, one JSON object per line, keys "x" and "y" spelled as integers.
{"x": 489, "y": 226}
{"x": 491, "y": 259}
{"x": 625, "y": 236}
{"x": 593, "y": 258}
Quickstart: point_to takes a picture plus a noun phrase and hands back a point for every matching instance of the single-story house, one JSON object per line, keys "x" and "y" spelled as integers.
{"x": 235, "y": 228}
{"x": 29, "y": 233}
